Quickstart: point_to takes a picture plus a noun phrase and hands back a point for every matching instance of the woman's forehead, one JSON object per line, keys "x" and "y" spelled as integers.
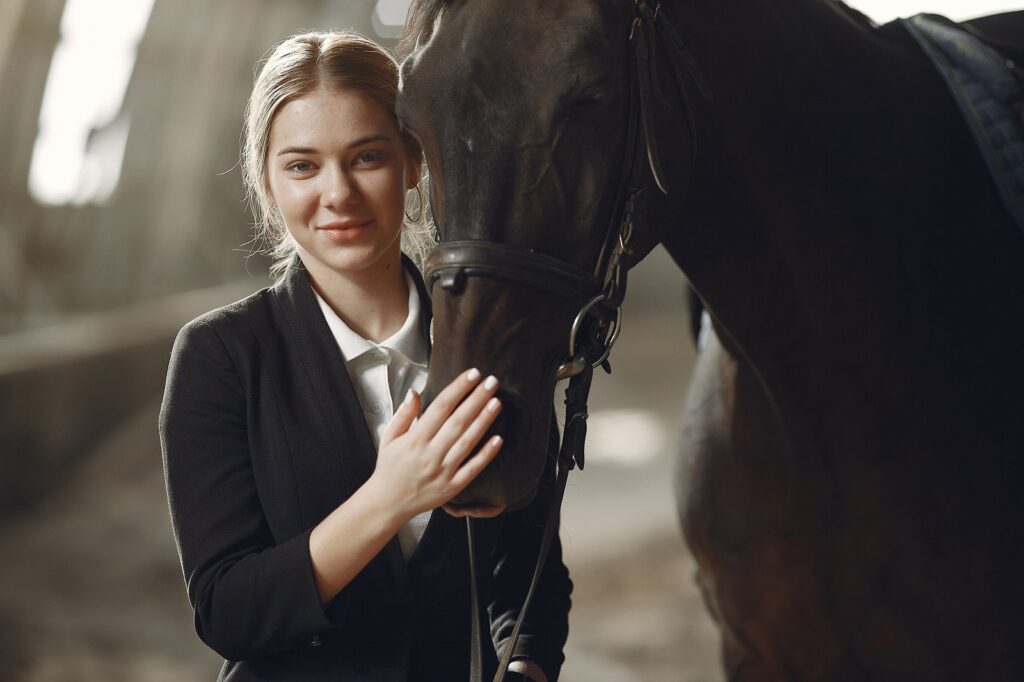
{"x": 330, "y": 118}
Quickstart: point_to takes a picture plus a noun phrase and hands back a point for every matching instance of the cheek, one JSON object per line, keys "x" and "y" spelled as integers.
{"x": 294, "y": 201}
{"x": 390, "y": 192}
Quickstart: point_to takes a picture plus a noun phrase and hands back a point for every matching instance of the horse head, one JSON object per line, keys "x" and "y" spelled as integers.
{"x": 538, "y": 120}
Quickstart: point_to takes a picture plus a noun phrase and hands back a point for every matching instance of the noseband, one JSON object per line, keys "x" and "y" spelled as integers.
{"x": 599, "y": 293}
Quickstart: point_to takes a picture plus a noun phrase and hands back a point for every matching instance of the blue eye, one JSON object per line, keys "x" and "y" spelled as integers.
{"x": 369, "y": 157}
{"x": 300, "y": 167}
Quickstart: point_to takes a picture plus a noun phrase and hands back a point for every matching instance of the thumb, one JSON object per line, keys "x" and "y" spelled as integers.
{"x": 403, "y": 419}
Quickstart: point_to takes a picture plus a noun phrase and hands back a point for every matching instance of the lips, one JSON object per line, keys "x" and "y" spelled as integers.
{"x": 344, "y": 230}
{"x": 345, "y": 225}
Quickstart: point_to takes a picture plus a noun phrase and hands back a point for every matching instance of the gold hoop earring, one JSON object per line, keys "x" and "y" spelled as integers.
{"x": 419, "y": 203}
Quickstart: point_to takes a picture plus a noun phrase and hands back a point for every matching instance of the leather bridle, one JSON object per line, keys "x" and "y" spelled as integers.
{"x": 599, "y": 293}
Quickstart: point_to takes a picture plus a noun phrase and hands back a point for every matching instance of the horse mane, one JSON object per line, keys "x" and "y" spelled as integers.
{"x": 419, "y": 23}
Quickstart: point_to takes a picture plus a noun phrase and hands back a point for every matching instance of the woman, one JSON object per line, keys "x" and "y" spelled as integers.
{"x": 305, "y": 514}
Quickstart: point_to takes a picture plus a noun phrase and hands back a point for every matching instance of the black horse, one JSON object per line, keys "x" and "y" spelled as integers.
{"x": 854, "y": 439}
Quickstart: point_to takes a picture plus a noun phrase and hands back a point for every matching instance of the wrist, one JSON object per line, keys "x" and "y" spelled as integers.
{"x": 386, "y": 506}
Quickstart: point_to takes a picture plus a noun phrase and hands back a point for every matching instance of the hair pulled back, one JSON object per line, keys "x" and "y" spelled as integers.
{"x": 300, "y": 65}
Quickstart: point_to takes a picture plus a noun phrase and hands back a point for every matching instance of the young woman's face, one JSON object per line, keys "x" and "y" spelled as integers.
{"x": 338, "y": 171}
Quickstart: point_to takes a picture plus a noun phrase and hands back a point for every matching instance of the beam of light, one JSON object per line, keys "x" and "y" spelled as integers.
{"x": 82, "y": 126}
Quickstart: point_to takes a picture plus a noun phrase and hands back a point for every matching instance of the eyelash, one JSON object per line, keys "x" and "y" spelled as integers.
{"x": 302, "y": 167}
{"x": 377, "y": 156}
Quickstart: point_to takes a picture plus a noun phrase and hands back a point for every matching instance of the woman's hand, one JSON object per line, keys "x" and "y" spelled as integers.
{"x": 423, "y": 463}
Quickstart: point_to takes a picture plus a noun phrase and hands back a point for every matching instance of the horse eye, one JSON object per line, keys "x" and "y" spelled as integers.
{"x": 589, "y": 99}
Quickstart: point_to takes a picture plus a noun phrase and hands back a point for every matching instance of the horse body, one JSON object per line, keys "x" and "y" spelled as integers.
{"x": 853, "y": 433}
{"x": 851, "y": 504}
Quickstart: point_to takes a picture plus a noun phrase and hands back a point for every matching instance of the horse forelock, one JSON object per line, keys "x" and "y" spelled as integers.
{"x": 419, "y": 24}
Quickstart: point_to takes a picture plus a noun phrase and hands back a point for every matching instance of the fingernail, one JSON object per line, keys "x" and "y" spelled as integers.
{"x": 490, "y": 383}
{"x": 496, "y": 441}
{"x": 409, "y": 395}
{"x": 474, "y": 374}
{"x": 493, "y": 404}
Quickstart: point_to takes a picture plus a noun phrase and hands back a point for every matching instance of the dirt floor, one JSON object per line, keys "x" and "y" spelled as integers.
{"x": 639, "y": 618}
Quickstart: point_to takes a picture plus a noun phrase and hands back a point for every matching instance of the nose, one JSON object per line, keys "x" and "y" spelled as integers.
{"x": 337, "y": 189}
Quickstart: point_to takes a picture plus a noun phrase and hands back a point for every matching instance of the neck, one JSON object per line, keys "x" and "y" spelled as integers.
{"x": 809, "y": 205}
{"x": 373, "y": 302}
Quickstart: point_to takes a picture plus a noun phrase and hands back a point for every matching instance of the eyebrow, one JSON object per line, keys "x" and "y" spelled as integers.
{"x": 357, "y": 143}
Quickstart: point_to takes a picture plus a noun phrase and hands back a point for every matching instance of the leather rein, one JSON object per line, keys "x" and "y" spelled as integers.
{"x": 600, "y": 293}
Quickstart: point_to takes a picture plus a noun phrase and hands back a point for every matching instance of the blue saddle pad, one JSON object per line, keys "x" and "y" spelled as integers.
{"x": 989, "y": 95}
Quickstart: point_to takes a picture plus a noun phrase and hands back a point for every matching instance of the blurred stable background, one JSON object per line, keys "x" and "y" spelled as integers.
{"x": 121, "y": 218}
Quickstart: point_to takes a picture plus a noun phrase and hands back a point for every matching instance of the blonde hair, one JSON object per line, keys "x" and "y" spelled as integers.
{"x": 296, "y": 67}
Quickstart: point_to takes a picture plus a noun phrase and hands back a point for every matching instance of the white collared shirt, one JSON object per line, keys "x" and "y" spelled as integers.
{"x": 381, "y": 374}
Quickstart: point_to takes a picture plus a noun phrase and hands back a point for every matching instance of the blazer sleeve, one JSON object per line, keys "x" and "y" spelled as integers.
{"x": 546, "y": 627}
{"x": 251, "y": 596}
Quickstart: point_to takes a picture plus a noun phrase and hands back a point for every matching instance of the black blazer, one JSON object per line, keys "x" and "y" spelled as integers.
{"x": 262, "y": 437}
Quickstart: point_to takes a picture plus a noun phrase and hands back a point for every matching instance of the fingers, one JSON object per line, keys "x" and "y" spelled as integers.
{"x": 446, "y": 402}
{"x": 403, "y": 418}
{"x": 467, "y": 424}
{"x": 438, "y": 449}
{"x": 472, "y": 467}
{"x": 460, "y": 440}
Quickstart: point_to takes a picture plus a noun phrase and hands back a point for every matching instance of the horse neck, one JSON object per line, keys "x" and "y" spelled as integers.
{"x": 795, "y": 229}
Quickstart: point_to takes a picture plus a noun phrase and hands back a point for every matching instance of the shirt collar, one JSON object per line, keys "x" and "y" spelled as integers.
{"x": 407, "y": 340}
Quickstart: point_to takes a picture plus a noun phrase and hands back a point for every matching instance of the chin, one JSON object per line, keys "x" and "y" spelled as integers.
{"x": 351, "y": 258}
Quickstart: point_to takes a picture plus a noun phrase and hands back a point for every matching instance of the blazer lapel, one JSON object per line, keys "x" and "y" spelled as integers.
{"x": 437, "y": 525}
{"x": 351, "y": 458}
{"x": 350, "y": 455}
